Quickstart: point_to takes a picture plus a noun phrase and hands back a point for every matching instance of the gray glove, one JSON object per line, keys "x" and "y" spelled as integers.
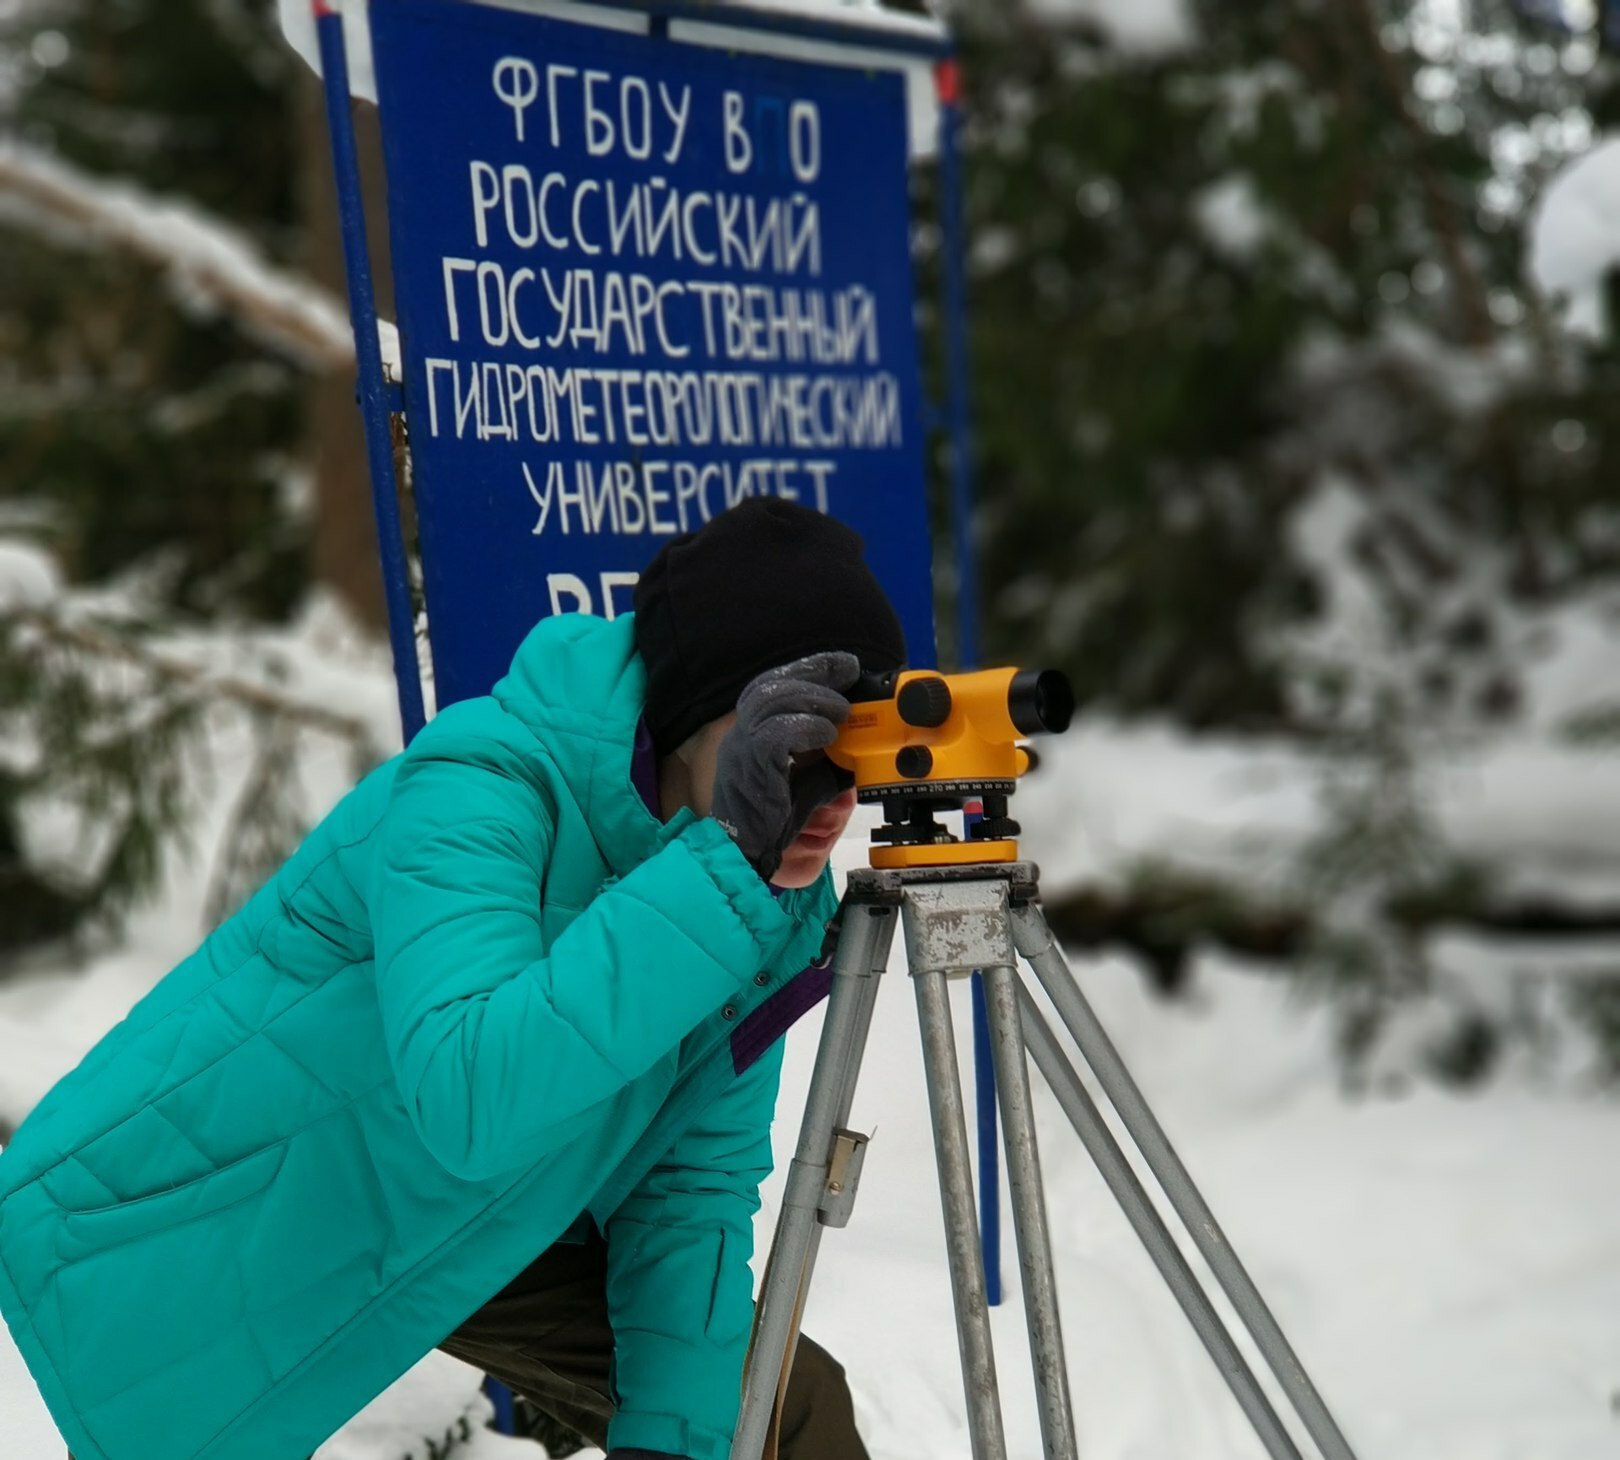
{"x": 761, "y": 798}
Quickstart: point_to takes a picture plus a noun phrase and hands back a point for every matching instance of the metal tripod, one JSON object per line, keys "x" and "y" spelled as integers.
{"x": 958, "y": 919}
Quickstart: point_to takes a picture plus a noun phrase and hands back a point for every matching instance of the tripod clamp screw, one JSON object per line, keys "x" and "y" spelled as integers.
{"x": 843, "y": 1178}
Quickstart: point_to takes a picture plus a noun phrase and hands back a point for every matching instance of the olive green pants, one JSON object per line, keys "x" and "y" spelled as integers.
{"x": 546, "y": 1336}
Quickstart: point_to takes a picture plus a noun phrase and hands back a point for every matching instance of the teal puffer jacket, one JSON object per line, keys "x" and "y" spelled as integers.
{"x": 489, "y": 993}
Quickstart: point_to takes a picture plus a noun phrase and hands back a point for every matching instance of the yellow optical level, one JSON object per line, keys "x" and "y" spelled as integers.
{"x": 920, "y": 742}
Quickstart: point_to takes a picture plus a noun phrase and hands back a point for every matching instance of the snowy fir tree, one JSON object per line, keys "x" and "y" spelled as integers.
{"x": 160, "y": 344}
{"x": 1246, "y": 258}
{"x": 147, "y": 425}
{"x": 1279, "y": 433}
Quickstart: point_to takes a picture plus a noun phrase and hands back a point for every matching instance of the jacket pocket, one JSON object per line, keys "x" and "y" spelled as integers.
{"x": 98, "y": 1228}
{"x": 731, "y": 1306}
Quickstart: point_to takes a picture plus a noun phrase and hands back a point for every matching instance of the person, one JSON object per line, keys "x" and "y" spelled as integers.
{"x": 489, "y": 1065}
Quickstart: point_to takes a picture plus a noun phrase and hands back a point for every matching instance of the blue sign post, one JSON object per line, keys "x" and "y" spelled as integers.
{"x": 638, "y": 281}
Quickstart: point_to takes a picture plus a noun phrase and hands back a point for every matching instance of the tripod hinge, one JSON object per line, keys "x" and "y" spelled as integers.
{"x": 843, "y": 1178}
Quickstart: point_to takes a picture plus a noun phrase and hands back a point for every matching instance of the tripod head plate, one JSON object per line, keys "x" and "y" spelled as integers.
{"x": 956, "y": 927}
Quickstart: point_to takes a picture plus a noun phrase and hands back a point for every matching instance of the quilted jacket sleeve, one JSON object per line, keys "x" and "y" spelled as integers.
{"x": 495, "y": 1038}
{"x": 679, "y": 1289}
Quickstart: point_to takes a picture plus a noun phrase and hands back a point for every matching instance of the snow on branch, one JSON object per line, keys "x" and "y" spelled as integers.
{"x": 259, "y": 698}
{"x": 1575, "y": 236}
{"x": 1142, "y": 29}
{"x": 205, "y": 260}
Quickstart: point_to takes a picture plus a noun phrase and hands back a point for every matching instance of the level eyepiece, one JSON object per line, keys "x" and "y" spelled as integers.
{"x": 1040, "y": 701}
{"x": 874, "y": 684}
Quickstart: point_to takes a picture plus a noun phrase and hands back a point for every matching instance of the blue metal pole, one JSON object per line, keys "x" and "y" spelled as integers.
{"x": 959, "y": 408}
{"x": 953, "y": 234}
{"x": 505, "y": 1408}
{"x": 368, "y": 354}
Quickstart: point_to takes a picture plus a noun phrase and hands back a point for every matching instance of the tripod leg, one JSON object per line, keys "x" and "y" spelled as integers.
{"x": 863, "y": 954}
{"x": 961, "y": 1224}
{"x": 1035, "y": 942}
{"x": 1029, "y": 1216}
{"x": 1155, "y": 1236}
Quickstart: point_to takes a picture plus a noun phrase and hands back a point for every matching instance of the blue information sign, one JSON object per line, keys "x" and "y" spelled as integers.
{"x": 638, "y": 280}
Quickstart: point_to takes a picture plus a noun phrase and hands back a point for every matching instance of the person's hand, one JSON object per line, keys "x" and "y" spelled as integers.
{"x": 760, "y": 796}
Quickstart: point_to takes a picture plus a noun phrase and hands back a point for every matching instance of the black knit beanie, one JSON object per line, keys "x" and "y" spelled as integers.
{"x": 762, "y": 584}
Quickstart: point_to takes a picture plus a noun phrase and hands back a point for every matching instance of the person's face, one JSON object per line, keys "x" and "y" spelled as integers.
{"x": 807, "y": 854}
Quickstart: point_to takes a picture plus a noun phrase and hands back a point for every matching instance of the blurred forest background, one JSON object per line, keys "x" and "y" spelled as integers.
{"x": 1286, "y": 438}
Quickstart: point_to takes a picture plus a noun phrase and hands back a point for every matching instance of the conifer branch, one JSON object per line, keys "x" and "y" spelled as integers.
{"x": 255, "y": 697}
{"x": 204, "y": 257}
{"x": 1478, "y": 329}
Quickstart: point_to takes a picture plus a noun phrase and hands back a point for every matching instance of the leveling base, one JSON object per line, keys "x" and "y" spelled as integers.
{"x": 943, "y": 854}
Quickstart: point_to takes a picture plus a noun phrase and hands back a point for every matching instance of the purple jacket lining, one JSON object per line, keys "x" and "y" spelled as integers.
{"x": 790, "y": 1003}
{"x": 772, "y": 1019}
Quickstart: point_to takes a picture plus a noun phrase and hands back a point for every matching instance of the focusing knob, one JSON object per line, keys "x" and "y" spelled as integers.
{"x": 914, "y": 762}
{"x": 925, "y": 703}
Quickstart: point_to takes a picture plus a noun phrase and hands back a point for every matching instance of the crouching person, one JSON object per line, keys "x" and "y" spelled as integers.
{"x": 490, "y": 1064}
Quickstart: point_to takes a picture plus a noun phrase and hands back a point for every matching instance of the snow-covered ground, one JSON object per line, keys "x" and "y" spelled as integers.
{"x": 1448, "y": 1266}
